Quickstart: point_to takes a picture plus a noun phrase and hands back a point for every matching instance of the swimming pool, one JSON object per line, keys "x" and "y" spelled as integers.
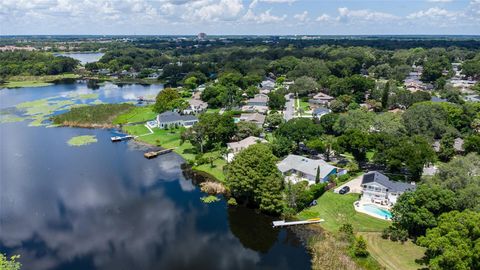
{"x": 377, "y": 211}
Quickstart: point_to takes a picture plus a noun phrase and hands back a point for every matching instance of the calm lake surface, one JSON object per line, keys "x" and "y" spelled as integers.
{"x": 84, "y": 57}
{"x": 104, "y": 206}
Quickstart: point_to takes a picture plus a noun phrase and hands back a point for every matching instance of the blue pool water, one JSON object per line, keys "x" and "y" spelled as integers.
{"x": 373, "y": 209}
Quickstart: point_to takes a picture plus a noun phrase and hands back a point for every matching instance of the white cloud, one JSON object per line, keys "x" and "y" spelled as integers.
{"x": 303, "y": 17}
{"x": 346, "y": 14}
{"x": 264, "y": 17}
{"x": 323, "y": 18}
{"x": 213, "y": 10}
{"x": 433, "y": 13}
{"x": 254, "y": 3}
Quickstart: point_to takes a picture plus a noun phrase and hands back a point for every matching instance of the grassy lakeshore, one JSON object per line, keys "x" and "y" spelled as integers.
{"x": 171, "y": 139}
{"x": 100, "y": 115}
{"x": 36, "y": 81}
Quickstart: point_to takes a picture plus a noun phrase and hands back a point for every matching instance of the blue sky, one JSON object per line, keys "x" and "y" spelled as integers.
{"x": 281, "y": 17}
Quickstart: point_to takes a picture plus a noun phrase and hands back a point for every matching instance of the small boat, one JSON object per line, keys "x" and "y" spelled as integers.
{"x": 120, "y": 138}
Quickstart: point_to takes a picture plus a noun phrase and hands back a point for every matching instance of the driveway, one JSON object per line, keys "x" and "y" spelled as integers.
{"x": 289, "y": 109}
{"x": 355, "y": 185}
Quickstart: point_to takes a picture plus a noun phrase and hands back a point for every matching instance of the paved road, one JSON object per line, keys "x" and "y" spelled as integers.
{"x": 289, "y": 111}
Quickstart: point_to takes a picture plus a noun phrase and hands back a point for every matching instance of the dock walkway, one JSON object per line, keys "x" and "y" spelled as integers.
{"x": 283, "y": 223}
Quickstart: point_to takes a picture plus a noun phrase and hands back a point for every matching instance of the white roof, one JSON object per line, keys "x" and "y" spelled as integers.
{"x": 305, "y": 165}
{"x": 245, "y": 142}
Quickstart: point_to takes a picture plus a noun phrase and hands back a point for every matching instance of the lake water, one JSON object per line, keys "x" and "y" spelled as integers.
{"x": 104, "y": 206}
{"x": 84, "y": 57}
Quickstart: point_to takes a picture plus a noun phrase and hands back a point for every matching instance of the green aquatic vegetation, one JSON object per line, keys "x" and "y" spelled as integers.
{"x": 210, "y": 199}
{"x": 41, "y": 110}
{"x": 96, "y": 102}
{"x": 10, "y": 118}
{"x": 82, "y": 140}
{"x": 86, "y": 96}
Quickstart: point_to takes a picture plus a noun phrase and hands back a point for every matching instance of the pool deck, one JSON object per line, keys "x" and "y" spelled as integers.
{"x": 358, "y": 205}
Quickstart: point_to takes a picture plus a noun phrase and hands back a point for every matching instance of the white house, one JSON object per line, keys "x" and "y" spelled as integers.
{"x": 172, "y": 119}
{"x": 235, "y": 147}
{"x": 297, "y": 168}
{"x": 319, "y": 112}
{"x": 195, "y": 106}
{"x": 378, "y": 188}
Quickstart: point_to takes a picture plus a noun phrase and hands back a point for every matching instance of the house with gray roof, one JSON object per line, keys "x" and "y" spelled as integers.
{"x": 256, "y": 118}
{"x": 258, "y": 100}
{"x": 319, "y": 112}
{"x": 235, "y": 147}
{"x": 378, "y": 188}
{"x": 174, "y": 119}
{"x": 297, "y": 168}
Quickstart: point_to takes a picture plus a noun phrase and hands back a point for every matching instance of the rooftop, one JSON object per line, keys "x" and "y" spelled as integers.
{"x": 245, "y": 142}
{"x": 174, "y": 117}
{"x": 305, "y": 165}
{"x": 393, "y": 186}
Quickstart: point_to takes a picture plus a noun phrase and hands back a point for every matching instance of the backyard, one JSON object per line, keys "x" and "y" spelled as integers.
{"x": 338, "y": 209}
{"x": 171, "y": 139}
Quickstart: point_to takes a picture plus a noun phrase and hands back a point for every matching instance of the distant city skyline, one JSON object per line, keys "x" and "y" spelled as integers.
{"x": 239, "y": 17}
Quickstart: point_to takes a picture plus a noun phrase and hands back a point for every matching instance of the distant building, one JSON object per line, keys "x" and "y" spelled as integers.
{"x": 255, "y": 118}
{"x": 202, "y": 36}
{"x": 173, "y": 119}
{"x": 320, "y": 99}
{"x": 378, "y": 188}
{"x": 437, "y": 99}
{"x": 472, "y": 98}
{"x": 254, "y": 108}
{"x": 258, "y": 100}
{"x": 195, "y": 106}
{"x": 319, "y": 112}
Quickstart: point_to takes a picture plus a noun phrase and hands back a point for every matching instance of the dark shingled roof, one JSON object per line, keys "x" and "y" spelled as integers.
{"x": 174, "y": 117}
{"x": 383, "y": 180}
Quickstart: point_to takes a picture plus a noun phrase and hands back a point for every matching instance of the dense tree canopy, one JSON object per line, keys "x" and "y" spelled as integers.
{"x": 253, "y": 177}
{"x": 169, "y": 99}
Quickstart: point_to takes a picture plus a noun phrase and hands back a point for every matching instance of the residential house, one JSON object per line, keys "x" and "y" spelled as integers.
{"x": 320, "y": 111}
{"x": 297, "y": 168}
{"x": 173, "y": 119}
{"x": 268, "y": 84}
{"x": 235, "y": 147}
{"x": 258, "y": 100}
{"x": 195, "y": 106}
{"x": 255, "y": 118}
{"x": 254, "y": 108}
{"x": 472, "y": 98}
{"x": 437, "y": 99}
{"x": 320, "y": 99}
{"x": 378, "y": 188}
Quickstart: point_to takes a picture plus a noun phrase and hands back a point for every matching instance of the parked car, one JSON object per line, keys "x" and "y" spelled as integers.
{"x": 344, "y": 190}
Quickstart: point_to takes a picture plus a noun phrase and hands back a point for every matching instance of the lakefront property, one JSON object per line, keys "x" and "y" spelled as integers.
{"x": 298, "y": 168}
{"x": 132, "y": 139}
{"x": 378, "y": 188}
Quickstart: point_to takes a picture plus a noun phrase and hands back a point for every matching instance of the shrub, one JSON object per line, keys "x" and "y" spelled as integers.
{"x": 360, "y": 247}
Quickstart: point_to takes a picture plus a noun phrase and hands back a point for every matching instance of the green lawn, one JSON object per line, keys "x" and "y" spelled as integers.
{"x": 215, "y": 171}
{"x": 338, "y": 209}
{"x": 171, "y": 139}
{"x": 135, "y": 115}
{"x": 393, "y": 255}
{"x": 305, "y": 106}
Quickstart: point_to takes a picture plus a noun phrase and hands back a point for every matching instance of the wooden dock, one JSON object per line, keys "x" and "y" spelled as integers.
{"x": 283, "y": 223}
{"x": 154, "y": 154}
{"x": 121, "y": 138}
